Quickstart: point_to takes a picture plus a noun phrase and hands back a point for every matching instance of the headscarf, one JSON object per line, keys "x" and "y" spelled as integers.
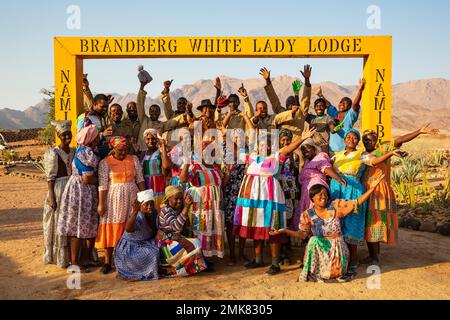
{"x": 118, "y": 141}
{"x": 145, "y": 196}
{"x": 171, "y": 191}
{"x": 368, "y": 132}
{"x": 61, "y": 126}
{"x": 286, "y": 133}
{"x": 151, "y": 131}
{"x": 86, "y": 135}
{"x": 310, "y": 142}
{"x": 353, "y": 131}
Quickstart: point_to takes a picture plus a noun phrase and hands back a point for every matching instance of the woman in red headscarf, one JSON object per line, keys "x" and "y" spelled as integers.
{"x": 120, "y": 179}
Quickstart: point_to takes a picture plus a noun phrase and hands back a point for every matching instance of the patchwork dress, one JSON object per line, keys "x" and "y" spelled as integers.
{"x": 206, "y": 217}
{"x": 136, "y": 255}
{"x": 119, "y": 178}
{"x": 381, "y": 216}
{"x": 261, "y": 202}
{"x": 326, "y": 254}
{"x": 180, "y": 256}
{"x": 58, "y": 168}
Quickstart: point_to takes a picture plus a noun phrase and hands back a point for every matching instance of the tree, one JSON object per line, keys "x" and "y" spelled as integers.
{"x": 47, "y": 136}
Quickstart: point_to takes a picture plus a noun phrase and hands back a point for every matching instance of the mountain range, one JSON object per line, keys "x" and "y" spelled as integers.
{"x": 414, "y": 102}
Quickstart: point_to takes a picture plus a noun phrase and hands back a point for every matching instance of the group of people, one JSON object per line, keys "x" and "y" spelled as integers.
{"x": 133, "y": 188}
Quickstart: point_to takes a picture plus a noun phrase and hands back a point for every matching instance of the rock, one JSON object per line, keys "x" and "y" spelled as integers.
{"x": 412, "y": 223}
{"x": 402, "y": 222}
{"x": 444, "y": 229}
{"x": 428, "y": 226}
{"x": 402, "y": 212}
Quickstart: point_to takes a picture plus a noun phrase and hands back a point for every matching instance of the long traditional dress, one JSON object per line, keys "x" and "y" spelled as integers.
{"x": 58, "y": 168}
{"x": 313, "y": 172}
{"x": 261, "y": 204}
{"x": 287, "y": 177}
{"x": 119, "y": 178}
{"x": 78, "y": 213}
{"x": 326, "y": 254}
{"x": 350, "y": 167}
{"x": 176, "y": 156}
{"x": 136, "y": 255}
{"x": 206, "y": 216}
{"x": 381, "y": 217}
{"x": 153, "y": 175}
{"x": 180, "y": 256}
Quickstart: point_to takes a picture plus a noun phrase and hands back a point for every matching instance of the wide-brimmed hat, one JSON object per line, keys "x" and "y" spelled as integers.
{"x": 205, "y": 103}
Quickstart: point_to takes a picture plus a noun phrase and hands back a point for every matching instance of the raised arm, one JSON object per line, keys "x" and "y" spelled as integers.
{"x": 307, "y": 133}
{"x": 306, "y": 98}
{"x": 130, "y": 227}
{"x": 184, "y": 175}
{"x": 248, "y": 107}
{"x": 165, "y": 97}
{"x": 320, "y": 95}
{"x": 357, "y": 99}
{"x": 412, "y": 135}
{"x": 141, "y": 103}
{"x": 166, "y": 163}
{"x": 87, "y": 94}
{"x": 270, "y": 91}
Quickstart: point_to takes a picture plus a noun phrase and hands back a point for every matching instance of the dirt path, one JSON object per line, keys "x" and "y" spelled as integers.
{"x": 418, "y": 268}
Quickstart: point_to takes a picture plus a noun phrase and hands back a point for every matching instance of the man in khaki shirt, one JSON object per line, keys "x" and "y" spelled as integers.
{"x": 152, "y": 121}
{"x": 183, "y": 108}
{"x": 297, "y": 124}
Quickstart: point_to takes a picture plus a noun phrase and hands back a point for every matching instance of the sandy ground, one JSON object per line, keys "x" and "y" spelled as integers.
{"x": 418, "y": 268}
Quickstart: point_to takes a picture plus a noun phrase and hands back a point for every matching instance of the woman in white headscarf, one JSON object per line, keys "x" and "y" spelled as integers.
{"x": 136, "y": 256}
{"x": 58, "y": 168}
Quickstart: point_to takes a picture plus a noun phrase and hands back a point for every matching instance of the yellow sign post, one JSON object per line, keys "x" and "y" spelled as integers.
{"x": 375, "y": 50}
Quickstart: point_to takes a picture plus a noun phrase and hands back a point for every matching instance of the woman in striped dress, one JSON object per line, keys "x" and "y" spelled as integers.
{"x": 206, "y": 215}
{"x": 156, "y": 165}
{"x": 261, "y": 203}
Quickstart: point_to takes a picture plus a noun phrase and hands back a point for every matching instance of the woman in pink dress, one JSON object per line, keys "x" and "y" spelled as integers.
{"x": 315, "y": 171}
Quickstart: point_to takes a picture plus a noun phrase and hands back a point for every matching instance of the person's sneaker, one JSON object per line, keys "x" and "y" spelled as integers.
{"x": 346, "y": 277}
{"x": 253, "y": 264}
{"x": 273, "y": 270}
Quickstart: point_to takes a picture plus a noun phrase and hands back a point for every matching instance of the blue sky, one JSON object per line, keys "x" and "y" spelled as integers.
{"x": 420, "y": 30}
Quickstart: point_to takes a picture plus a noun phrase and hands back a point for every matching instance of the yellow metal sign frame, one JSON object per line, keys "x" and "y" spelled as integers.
{"x": 376, "y": 51}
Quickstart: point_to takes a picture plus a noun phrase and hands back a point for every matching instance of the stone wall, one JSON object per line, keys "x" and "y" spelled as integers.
{"x": 20, "y": 135}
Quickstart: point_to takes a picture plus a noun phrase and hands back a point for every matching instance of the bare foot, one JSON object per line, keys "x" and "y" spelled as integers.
{"x": 243, "y": 259}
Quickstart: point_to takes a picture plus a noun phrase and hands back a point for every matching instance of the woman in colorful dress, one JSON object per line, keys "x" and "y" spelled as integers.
{"x": 137, "y": 256}
{"x": 326, "y": 254}
{"x": 261, "y": 203}
{"x": 58, "y": 169}
{"x": 156, "y": 165}
{"x": 287, "y": 177}
{"x": 78, "y": 217}
{"x": 180, "y": 256}
{"x": 234, "y": 172}
{"x": 350, "y": 164}
{"x": 206, "y": 217}
{"x": 120, "y": 179}
{"x": 381, "y": 216}
{"x": 315, "y": 171}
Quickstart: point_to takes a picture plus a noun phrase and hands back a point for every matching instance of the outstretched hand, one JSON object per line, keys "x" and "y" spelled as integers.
{"x": 399, "y": 153}
{"x": 242, "y": 91}
{"x": 277, "y": 232}
{"x": 308, "y": 133}
{"x": 427, "y": 130}
{"x": 218, "y": 84}
{"x": 167, "y": 84}
{"x": 296, "y": 86}
{"x": 306, "y": 73}
{"x": 318, "y": 91}
{"x": 265, "y": 73}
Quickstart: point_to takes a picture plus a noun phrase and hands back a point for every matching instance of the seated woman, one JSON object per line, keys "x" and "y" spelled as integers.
{"x": 326, "y": 255}
{"x": 136, "y": 256}
{"x": 180, "y": 256}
